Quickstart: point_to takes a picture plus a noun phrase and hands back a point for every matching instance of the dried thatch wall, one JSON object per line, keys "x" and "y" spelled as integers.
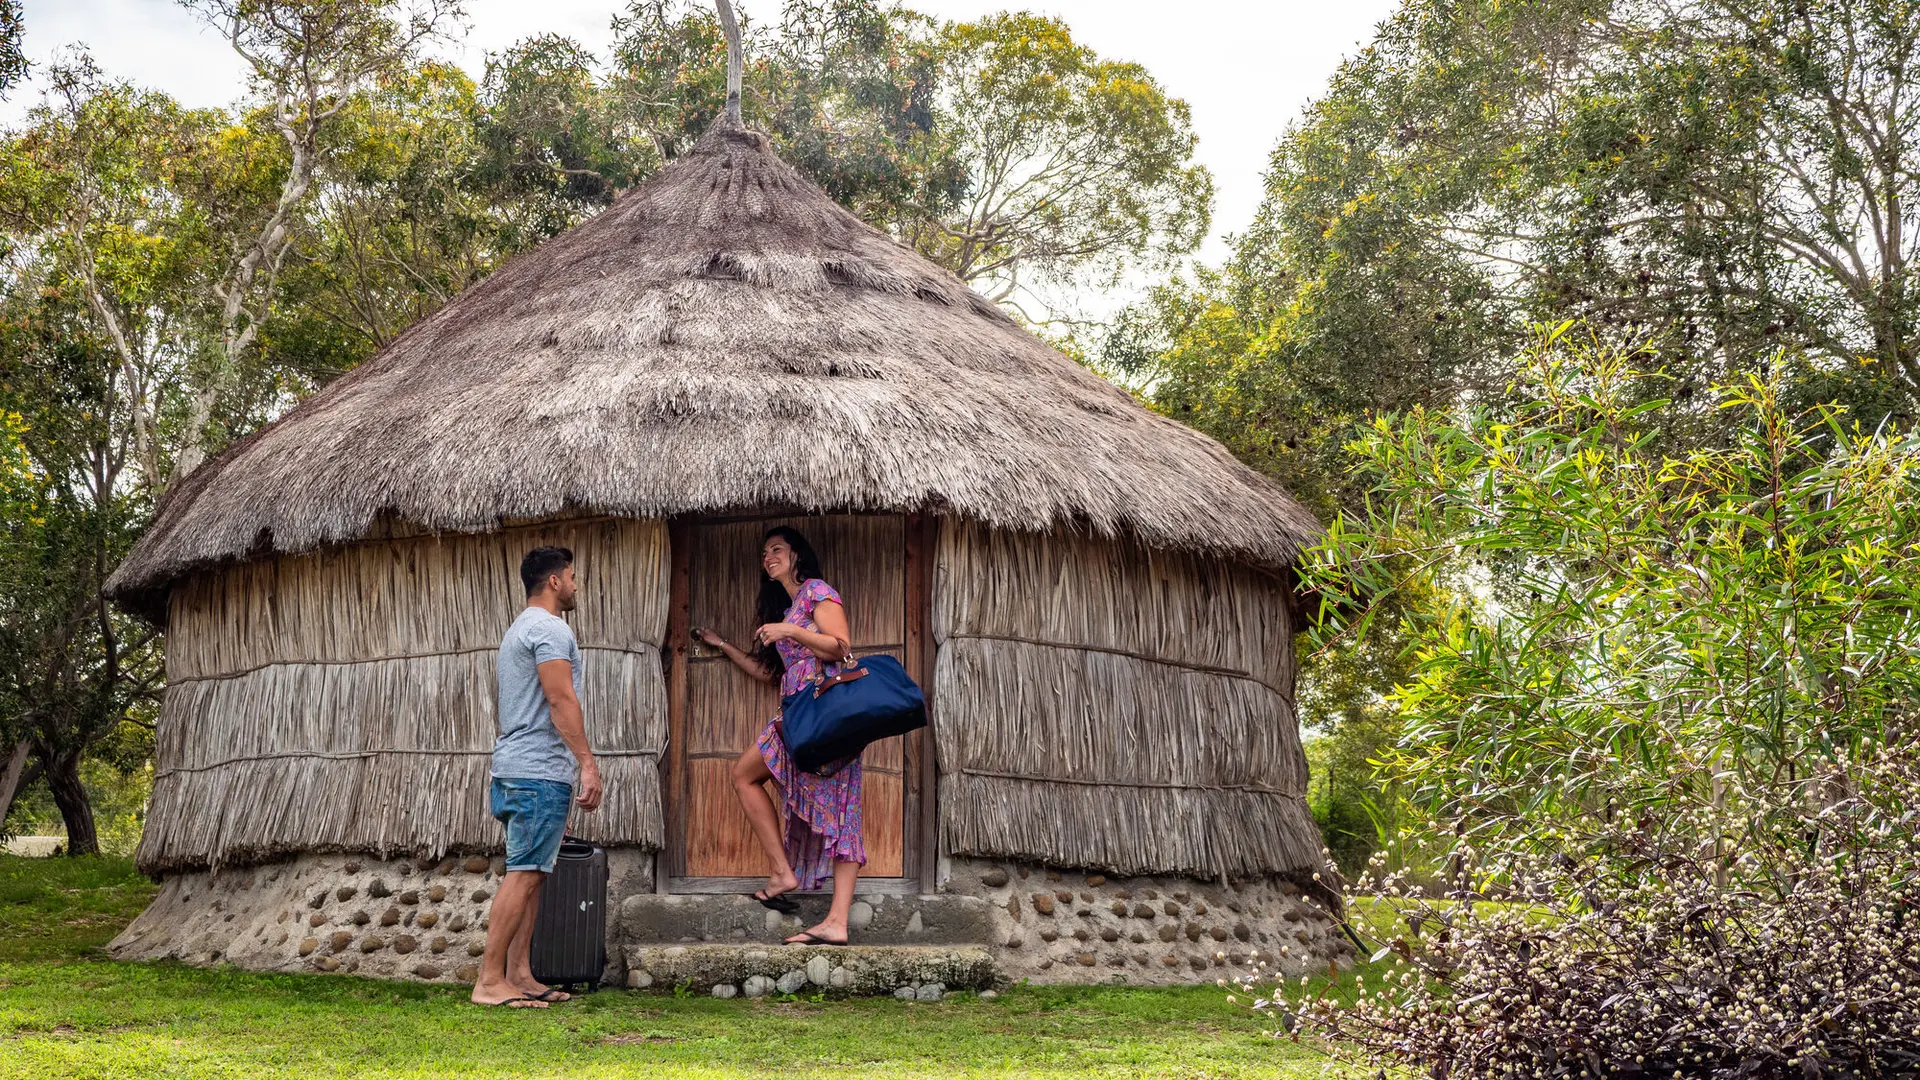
{"x": 1107, "y": 706}
{"x": 345, "y": 700}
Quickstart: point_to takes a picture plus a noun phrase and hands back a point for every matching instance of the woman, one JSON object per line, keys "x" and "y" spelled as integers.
{"x": 802, "y": 636}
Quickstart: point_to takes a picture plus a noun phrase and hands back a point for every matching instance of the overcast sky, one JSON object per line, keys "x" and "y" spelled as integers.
{"x": 1245, "y": 66}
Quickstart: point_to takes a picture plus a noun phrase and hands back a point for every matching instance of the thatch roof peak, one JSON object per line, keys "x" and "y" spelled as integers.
{"x": 724, "y": 336}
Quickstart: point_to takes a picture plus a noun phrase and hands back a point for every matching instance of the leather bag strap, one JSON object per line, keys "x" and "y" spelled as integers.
{"x": 845, "y": 676}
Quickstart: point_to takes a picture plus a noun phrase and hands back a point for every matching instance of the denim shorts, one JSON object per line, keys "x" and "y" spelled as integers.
{"x": 535, "y": 814}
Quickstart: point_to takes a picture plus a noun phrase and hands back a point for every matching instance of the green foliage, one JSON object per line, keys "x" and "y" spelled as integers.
{"x": 13, "y": 60}
{"x": 1670, "y": 711}
{"x": 1729, "y": 175}
{"x": 1638, "y": 629}
{"x": 844, "y": 88}
{"x": 118, "y": 778}
{"x": 1358, "y": 810}
{"x": 1077, "y": 168}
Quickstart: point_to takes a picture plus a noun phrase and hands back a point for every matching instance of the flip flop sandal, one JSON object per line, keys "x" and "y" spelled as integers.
{"x": 549, "y": 994}
{"x": 774, "y": 903}
{"x": 522, "y": 1002}
{"x": 812, "y": 940}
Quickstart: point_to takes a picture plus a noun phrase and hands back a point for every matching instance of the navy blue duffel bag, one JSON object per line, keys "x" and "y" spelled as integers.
{"x": 837, "y": 717}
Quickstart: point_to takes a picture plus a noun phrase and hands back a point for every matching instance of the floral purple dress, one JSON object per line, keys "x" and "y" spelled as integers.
{"x": 823, "y": 812}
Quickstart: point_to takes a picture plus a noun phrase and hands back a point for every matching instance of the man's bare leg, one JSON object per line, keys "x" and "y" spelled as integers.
{"x": 512, "y": 908}
{"x": 520, "y": 950}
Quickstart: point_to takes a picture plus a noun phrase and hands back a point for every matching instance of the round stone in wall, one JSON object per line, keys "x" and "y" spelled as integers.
{"x": 860, "y": 915}
{"x": 757, "y": 986}
{"x": 476, "y": 864}
{"x": 725, "y": 990}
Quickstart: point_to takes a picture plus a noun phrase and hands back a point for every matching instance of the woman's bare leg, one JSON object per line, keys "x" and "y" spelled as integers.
{"x": 750, "y": 775}
{"x": 834, "y": 926}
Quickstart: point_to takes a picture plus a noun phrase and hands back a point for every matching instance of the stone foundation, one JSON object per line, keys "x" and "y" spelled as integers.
{"x": 1053, "y": 926}
{"x": 388, "y": 918}
{"x": 410, "y": 919}
{"x": 923, "y": 973}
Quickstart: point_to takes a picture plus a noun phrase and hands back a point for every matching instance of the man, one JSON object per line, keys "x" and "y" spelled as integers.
{"x": 543, "y": 740}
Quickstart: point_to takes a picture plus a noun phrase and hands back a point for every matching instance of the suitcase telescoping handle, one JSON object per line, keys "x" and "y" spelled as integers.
{"x": 572, "y": 847}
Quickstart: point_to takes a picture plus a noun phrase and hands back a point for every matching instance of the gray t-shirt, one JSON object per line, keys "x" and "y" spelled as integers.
{"x": 529, "y": 748}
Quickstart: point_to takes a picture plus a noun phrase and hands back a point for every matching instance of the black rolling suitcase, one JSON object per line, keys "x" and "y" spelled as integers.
{"x": 569, "y": 946}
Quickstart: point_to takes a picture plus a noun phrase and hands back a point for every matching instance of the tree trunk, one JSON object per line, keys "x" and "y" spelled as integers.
{"x": 10, "y": 778}
{"x": 63, "y": 777}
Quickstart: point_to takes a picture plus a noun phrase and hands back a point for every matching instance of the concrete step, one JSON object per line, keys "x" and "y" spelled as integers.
{"x": 922, "y": 972}
{"x": 876, "y": 919}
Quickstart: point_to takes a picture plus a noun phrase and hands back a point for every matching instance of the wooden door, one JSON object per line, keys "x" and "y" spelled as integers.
{"x": 718, "y": 711}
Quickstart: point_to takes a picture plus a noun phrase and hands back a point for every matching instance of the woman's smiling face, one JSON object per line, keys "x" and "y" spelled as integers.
{"x": 777, "y": 559}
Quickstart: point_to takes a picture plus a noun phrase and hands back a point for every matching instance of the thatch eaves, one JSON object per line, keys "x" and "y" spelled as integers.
{"x": 723, "y": 337}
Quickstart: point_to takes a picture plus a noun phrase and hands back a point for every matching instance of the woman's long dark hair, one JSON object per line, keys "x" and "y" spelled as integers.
{"x": 774, "y": 600}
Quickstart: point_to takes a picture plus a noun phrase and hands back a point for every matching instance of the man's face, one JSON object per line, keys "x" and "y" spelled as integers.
{"x": 564, "y": 586}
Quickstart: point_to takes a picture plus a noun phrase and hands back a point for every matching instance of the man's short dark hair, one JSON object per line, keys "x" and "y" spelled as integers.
{"x": 542, "y": 563}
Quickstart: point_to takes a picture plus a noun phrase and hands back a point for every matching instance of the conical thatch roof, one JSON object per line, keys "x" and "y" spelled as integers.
{"x": 723, "y": 337}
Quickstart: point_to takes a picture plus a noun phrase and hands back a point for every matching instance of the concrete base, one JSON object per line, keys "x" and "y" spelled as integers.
{"x": 690, "y": 919}
{"x": 923, "y": 973}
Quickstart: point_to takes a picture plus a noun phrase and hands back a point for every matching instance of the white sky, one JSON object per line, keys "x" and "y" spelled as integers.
{"x": 1247, "y": 67}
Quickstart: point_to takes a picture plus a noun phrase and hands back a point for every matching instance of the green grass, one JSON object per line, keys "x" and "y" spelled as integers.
{"x": 64, "y": 909}
{"x": 67, "y": 1012}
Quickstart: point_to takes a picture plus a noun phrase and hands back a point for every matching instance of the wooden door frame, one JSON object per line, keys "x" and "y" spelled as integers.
{"x": 918, "y": 834}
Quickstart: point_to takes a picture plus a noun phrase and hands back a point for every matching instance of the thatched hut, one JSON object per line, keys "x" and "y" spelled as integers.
{"x": 1097, "y": 598}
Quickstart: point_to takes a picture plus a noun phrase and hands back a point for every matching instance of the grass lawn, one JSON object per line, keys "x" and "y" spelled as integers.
{"x": 66, "y": 1012}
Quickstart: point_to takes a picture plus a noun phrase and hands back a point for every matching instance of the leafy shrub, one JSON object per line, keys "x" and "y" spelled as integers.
{"x": 1655, "y": 961}
{"x": 1667, "y": 723}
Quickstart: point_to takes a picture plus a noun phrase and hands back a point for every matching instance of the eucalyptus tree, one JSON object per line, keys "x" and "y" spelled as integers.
{"x": 99, "y": 303}
{"x": 309, "y": 60}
